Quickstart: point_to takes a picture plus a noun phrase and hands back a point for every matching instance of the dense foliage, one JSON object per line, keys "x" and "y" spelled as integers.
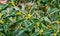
{"x": 29, "y": 17}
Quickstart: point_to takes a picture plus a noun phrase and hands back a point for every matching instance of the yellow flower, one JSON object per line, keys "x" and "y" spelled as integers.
{"x": 41, "y": 31}
{"x": 37, "y": 24}
{"x": 13, "y": 3}
{"x": 1, "y": 21}
{"x": 18, "y": 13}
{"x": 7, "y": 12}
{"x": 58, "y": 22}
{"x": 46, "y": 7}
{"x": 0, "y": 15}
{"x": 55, "y": 34}
{"x": 28, "y": 16}
{"x": 21, "y": 27}
{"x": 14, "y": 20}
{"x": 48, "y": 26}
{"x": 28, "y": 7}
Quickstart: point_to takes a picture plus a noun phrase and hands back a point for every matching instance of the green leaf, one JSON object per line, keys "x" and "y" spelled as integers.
{"x": 47, "y": 19}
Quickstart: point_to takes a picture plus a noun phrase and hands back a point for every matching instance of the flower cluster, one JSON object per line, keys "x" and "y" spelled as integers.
{"x": 29, "y": 18}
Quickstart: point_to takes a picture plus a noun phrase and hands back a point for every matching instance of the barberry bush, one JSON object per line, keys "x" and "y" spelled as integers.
{"x": 29, "y": 17}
